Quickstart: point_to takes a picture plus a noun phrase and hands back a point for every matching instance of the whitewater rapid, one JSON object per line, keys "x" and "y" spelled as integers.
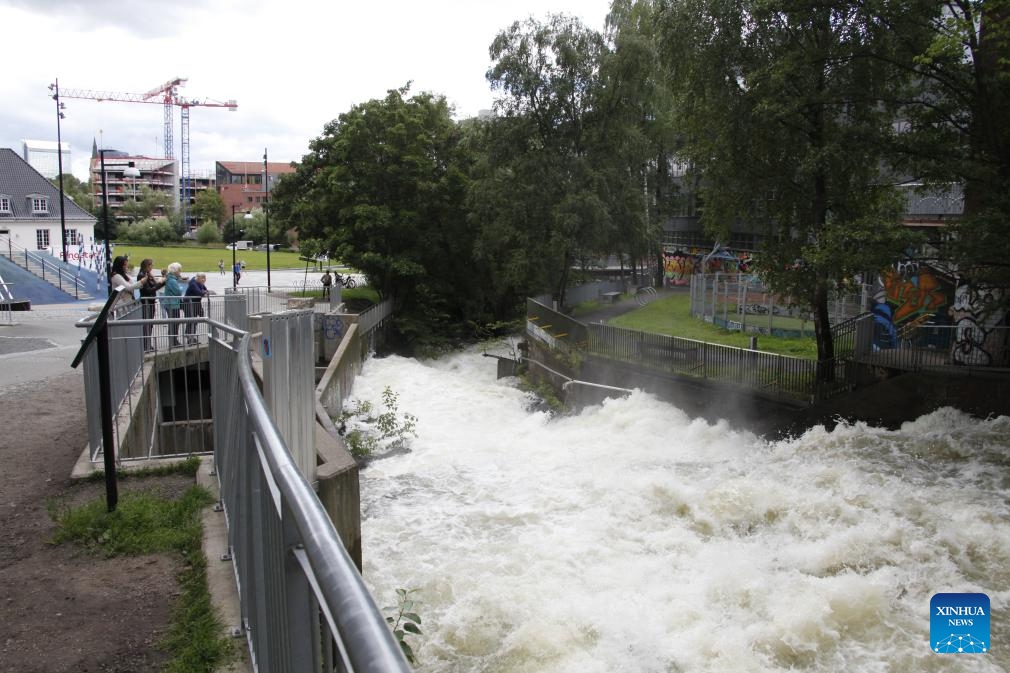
{"x": 632, "y": 538}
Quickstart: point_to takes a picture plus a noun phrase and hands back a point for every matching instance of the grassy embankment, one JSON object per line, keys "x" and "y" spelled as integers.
{"x": 672, "y": 315}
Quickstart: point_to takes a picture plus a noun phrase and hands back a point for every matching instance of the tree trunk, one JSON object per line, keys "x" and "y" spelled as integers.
{"x": 822, "y": 333}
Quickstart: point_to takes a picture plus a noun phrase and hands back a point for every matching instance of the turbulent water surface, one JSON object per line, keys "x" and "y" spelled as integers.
{"x": 632, "y": 538}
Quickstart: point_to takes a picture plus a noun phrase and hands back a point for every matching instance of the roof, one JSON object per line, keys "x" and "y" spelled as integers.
{"x": 18, "y": 179}
{"x": 255, "y": 167}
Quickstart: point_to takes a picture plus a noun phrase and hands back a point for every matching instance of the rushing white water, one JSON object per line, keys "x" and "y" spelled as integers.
{"x": 632, "y": 538}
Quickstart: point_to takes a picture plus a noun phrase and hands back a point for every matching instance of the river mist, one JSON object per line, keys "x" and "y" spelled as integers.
{"x": 632, "y": 538}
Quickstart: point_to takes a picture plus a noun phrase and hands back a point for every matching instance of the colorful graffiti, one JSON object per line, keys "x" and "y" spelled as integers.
{"x": 680, "y": 265}
{"x": 977, "y": 341}
{"x": 914, "y": 289}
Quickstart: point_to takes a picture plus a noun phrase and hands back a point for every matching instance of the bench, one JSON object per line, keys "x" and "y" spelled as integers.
{"x": 612, "y": 296}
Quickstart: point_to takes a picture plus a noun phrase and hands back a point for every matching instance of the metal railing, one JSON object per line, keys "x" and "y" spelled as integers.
{"x": 49, "y": 269}
{"x": 966, "y": 348}
{"x": 304, "y": 606}
{"x": 769, "y": 373}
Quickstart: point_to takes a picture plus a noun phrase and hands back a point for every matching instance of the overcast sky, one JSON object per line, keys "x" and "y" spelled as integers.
{"x": 292, "y": 66}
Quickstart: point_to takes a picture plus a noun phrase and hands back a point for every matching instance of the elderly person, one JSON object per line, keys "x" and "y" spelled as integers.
{"x": 173, "y": 299}
{"x": 192, "y": 304}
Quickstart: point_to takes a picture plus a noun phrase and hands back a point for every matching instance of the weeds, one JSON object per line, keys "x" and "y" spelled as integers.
{"x": 370, "y": 431}
{"x": 404, "y": 622}
{"x": 148, "y": 524}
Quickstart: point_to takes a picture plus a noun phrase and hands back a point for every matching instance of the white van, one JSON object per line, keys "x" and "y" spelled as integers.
{"x": 239, "y": 245}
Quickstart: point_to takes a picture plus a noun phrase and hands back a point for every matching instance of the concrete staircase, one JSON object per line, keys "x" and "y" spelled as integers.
{"x": 51, "y": 271}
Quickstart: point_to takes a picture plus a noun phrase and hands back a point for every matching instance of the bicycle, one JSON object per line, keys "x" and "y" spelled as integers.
{"x": 347, "y": 281}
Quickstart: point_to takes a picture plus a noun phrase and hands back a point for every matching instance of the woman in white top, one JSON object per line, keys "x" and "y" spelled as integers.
{"x": 119, "y": 278}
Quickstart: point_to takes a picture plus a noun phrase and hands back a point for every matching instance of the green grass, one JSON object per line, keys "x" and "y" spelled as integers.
{"x": 672, "y": 315}
{"x": 194, "y": 258}
{"x": 148, "y": 524}
{"x": 346, "y": 295}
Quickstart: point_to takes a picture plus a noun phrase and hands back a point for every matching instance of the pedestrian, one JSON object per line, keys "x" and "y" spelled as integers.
{"x": 119, "y": 279}
{"x": 148, "y": 297}
{"x": 192, "y": 303}
{"x": 220, "y": 266}
{"x": 327, "y": 281}
{"x": 173, "y": 299}
{"x": 237, "y": 270}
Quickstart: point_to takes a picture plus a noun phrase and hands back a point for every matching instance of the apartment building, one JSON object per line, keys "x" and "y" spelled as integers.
{"x": 241, "y": 185}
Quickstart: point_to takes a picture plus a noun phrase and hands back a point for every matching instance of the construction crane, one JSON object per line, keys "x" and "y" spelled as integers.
{"x": 167, "y": 95}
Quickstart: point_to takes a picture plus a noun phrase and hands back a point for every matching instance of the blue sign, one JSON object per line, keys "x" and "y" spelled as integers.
{"x": 959, "y": 623}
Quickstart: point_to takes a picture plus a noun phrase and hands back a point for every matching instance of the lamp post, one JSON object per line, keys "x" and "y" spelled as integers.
{"x": 131, "y": 171}
{"x": 105, "y": 224}
{"x": 55, "y": 88}
{"x": 266, "y": 216}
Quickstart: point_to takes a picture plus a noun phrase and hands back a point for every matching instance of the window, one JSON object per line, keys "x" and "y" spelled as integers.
{"x": 40, "y": 204}
{"x": 71, "y": 237}
{"x": 5, "y": 205}
{"x": 41, "y": 239}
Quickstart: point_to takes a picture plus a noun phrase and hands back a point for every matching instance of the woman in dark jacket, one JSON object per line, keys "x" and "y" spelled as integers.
{"x": 192, "y": 303}
{"x": 149, "y": 286}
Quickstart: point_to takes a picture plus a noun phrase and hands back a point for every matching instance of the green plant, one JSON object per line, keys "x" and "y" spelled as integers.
{"x": 374, "y": 430}
{"x": 145, "y": 524}
{"x": 404, "y": 622}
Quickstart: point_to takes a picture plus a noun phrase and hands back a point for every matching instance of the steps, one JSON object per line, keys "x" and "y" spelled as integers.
{"x": 51, "y": 272}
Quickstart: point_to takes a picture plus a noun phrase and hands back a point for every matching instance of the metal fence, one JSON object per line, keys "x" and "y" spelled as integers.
{"x": 966, "y": 348}
{"x": 741, "y": 302}
{"x": 304, "y": 606}
{"x": 769, "y": 373}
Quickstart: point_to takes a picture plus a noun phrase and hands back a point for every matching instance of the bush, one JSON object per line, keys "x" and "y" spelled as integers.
{"x": 208, "y": 233}
{"x": 155, "y": 231}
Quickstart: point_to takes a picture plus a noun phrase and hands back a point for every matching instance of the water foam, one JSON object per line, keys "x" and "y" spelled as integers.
{"x": 630, "y": 537}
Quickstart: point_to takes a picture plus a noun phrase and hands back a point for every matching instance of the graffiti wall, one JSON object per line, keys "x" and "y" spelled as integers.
{"x": 935, "y": 310}
{"x": 680, "y": 264}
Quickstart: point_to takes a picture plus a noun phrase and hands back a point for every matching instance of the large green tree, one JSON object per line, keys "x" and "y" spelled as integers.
{"x": 208, "y": 207}
{"x": 384, "y": 187}
{"x": 783, "y": 113}
{"x": 541, "y": 197}
{"x": 79, "y": 192}
{"x": 956, "y": 129}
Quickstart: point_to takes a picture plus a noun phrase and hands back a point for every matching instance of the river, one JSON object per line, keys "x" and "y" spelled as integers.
{"x": 632, "y": 538}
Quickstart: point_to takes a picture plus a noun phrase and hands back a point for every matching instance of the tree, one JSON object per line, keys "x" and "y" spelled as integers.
{"x": 147, "y": 204}
{"x": 540, "y": 196}
{"x": 783, "y": 114}
{"x": 956, "y": 129}
{"x": 384, "y": 188}
{"x": 209, "y": 207}
{"x": 79, "y": 192}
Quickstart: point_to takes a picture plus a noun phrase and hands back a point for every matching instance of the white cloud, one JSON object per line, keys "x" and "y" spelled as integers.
{"x": 292, "y": 66}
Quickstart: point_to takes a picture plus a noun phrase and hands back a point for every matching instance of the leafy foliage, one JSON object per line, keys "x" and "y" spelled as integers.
{"x": 782, "y": 115}
{"x": 371, "y": 430}
{"x": 148, "y": 232}
{"x": 404, "y": 621}
{"x": 208, "y": 233}
{"x": 384, "y": 188}
{"x": 208, "y": 207}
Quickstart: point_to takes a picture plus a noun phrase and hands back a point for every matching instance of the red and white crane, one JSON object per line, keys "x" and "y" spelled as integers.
{"x": 167, "y": 95}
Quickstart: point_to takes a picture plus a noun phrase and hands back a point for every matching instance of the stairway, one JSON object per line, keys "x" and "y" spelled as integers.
{"x": 49, "y": 270}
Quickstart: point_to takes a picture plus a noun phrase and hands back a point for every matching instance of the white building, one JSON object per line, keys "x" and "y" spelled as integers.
{"x": 30, "y": 214}
{"x": 43, "y": 155}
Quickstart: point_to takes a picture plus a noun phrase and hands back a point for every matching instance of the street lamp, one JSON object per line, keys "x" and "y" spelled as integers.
{"x": 105, "y": 223}
{"x": 55, "y": 88}
{"x": 266, "y": 216}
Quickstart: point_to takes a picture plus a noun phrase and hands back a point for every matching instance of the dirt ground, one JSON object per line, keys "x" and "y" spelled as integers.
{"x": 63, "y": 609}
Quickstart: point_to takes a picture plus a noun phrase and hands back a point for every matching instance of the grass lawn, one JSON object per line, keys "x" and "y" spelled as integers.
{"x": 672, "y": 315}
{"x": 194, "y": 258}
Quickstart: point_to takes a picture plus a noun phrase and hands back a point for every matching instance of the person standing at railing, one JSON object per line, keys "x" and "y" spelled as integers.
{"x": 173, "y": 298}
{"x": 327, "y": 281}
{"x": 192, "y": 303}
{"x": 149, "y": 286}
{"x": 119, "y": 279}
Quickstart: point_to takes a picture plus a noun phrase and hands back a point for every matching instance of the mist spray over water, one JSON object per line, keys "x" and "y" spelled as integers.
{"x": 630, "y": 537}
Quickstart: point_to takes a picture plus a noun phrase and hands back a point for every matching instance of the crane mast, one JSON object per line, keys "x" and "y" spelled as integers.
{"x": 168, "y": 96}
